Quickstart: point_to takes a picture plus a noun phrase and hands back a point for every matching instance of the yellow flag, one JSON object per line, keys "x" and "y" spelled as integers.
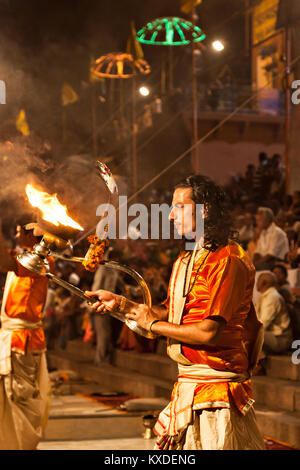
{"x": 68, "y": 95}
{"x": 187, "y": 5}
{"x": 21, "y": 123}
{"x": 133, "y": 46}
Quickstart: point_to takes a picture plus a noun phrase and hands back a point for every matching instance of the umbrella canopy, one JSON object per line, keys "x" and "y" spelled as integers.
{"x": 170, "y": 31}
{"x": 119, "y": 65}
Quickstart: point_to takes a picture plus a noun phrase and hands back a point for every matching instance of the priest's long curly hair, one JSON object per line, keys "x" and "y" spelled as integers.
{"x": 218, "y": 222}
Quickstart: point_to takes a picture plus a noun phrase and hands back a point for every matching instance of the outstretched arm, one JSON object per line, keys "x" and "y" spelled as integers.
{"x": 203, "y": 332}
{"x": 108, "y": 301}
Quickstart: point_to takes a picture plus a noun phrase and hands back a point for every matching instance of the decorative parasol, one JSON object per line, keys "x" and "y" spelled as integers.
{"x": 120, "y": 65}
{"x": 170, "y": 31}
{"x": 174, "y": 31}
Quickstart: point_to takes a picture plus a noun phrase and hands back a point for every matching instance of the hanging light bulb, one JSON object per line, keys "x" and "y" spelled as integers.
{"x": 144, "y": 91}
{"x": 218, "y": 45}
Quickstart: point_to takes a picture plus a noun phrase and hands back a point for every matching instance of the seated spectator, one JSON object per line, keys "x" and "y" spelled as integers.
{"x": 276, "y": 173}
{"x": 280, "y": 219}
{"x": 282, "y": 283}
{"x": 272, "y": 244}
{"x": 281, "y": 274}
{"x": 291, "y": 300}
{"x": 296, "y": 227}
{"x": 260, "y": 177}
{"x": 249, "y": 178}
{"x": 272, "y": 312}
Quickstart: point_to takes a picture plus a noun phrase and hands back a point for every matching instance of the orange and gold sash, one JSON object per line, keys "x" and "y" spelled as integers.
{"x": 180, "y": 278}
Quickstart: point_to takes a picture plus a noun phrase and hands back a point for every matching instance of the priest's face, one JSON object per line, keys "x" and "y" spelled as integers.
{"x": 183, "y": 212}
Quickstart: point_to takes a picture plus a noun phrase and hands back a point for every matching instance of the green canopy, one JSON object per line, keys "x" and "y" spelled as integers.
{"x": 170, "y": 31}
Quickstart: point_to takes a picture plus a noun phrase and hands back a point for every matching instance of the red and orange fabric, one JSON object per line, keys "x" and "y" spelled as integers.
{"x": 223, "y": 288}
{"x": 25, "y": 301}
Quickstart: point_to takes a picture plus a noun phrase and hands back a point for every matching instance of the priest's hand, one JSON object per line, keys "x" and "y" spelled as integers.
{"x": 104, "y": 301}
{"x": 142, "y": 314}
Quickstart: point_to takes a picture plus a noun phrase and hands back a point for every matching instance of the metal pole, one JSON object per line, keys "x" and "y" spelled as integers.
{"x": 287, "y": 106}
{"x": 163, "y": 73}
{"x": 134, "y": 134}
{"x": 170, "y": 69}
{"x": 94, "y": 122}
{"x": 64, "y": 124}
{"x": 195, "y": 104}
{"x": 121, "y": 105}
{"x": 247, "y": 27}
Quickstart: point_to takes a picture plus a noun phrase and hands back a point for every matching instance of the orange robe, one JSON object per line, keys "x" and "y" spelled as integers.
{"x": 25, "y": 301}
{"x": 223, "y": 287}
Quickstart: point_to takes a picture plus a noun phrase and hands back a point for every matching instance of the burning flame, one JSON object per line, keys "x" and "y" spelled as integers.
{"x": 53, "y": 211}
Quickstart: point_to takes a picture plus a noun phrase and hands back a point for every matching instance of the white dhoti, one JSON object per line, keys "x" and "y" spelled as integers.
{"x": 223, "y": 429}
{"x": 180, "y": 426}
{"x": 24, "y": 399}
{"x": 24, "y": 388}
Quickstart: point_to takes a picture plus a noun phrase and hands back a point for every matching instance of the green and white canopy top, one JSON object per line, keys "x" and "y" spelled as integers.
{"x": 170, "y": 31}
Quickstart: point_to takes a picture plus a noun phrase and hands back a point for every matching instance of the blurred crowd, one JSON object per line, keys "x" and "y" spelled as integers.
{"x": 267, "y": 225}
{"x": 267, "y": 222}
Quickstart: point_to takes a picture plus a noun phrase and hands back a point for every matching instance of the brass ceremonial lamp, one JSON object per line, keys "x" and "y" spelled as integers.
{"x": 36, "y": 260}
{"x": 59, "y": 235}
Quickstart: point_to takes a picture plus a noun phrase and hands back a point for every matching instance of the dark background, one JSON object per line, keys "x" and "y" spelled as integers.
{"x": 44, "y": 44}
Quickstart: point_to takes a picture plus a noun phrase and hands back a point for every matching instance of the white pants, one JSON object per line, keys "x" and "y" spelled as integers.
{"x": 24, "y": 401}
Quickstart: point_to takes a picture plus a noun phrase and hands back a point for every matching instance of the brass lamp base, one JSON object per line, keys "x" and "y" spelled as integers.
{"x": 149, "y": 422}
{"x": 36, "y": 261}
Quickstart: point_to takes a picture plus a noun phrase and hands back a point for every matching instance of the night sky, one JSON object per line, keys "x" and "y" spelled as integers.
{"x": 44, "y": 43}
{"x": 99, "y": 24}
